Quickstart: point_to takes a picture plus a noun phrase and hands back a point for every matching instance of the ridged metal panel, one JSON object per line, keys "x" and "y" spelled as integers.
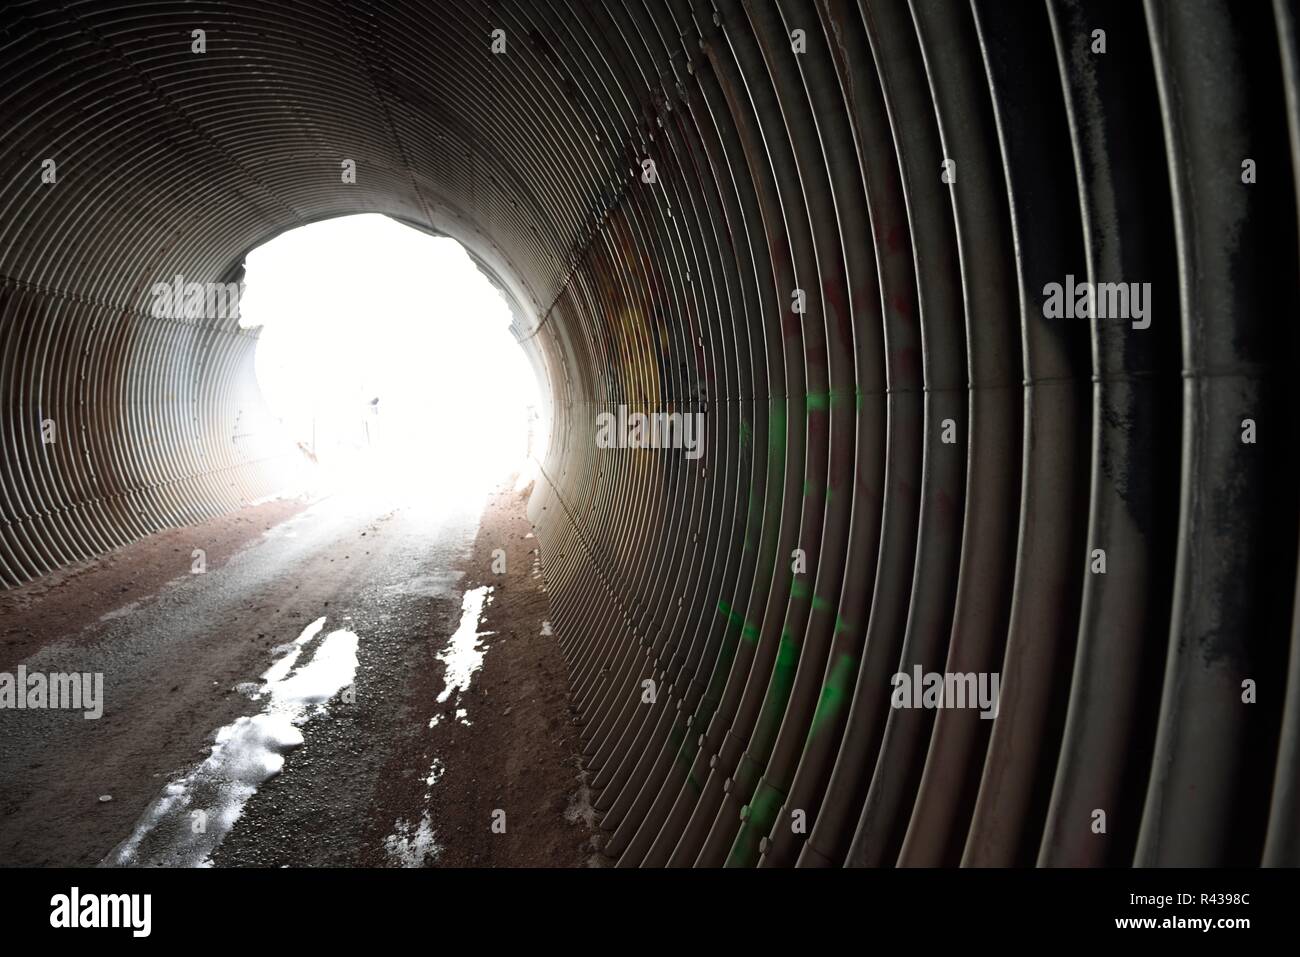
{"x": 776, "y": 171}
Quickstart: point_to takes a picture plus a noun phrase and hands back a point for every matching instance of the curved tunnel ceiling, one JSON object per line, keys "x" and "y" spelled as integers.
{"x": 917, "y": 457}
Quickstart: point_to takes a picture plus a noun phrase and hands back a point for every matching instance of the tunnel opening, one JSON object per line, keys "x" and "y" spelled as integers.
{"x": 384, "y": 355}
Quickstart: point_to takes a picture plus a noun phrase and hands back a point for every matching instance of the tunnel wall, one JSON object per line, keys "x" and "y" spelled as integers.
{"x": 839, "y": 260}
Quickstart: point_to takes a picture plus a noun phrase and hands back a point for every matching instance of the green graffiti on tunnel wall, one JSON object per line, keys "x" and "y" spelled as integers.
{"x": 776, "y": 429}
{"x": 734, "y": 618}
{"x": 821, "y": 401}
{"x": 809, "y": 489}
{"x": 778, "y": 691}
{"x": 835, "y": 692}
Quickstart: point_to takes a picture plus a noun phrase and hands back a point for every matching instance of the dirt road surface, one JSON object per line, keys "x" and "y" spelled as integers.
{"x": 343, "y": 682}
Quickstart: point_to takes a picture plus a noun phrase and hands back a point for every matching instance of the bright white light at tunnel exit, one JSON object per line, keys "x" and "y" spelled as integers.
{"x": 386, "y": 349}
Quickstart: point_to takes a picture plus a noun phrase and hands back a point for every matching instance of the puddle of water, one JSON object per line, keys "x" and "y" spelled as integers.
{"x": 442, "y": 585}
{"x": 195, "y": 812}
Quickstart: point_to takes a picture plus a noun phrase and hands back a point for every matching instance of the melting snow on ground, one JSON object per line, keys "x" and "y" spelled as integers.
{"x": 196, "y": 811}
{"x": 464, "y": 654}
{"x": 414, "y": 845}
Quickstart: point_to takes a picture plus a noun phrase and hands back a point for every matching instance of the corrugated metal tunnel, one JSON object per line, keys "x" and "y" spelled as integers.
{"x": 831, "y": 230}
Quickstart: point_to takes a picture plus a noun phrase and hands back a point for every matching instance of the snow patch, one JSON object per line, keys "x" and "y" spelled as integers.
{"x": 195, "y": 812}
{"x": 463, "y": 655}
